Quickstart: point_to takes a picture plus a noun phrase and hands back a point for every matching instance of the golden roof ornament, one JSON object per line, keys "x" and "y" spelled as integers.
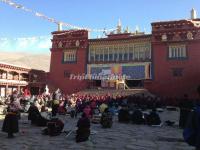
{"x": 119, "y": 27}
{"x": 137, "y": 29}
{"x": 193, "y": 14}
{"x": 59, "y": 26}
{"x": 127, "y": 30}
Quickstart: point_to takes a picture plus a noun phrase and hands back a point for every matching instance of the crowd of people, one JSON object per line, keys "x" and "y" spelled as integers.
{"x": 128, "y": 109}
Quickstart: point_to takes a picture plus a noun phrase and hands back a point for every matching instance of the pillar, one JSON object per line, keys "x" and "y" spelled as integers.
{"x": 19, "y": 76}
{"x": 18, "y": 89}
{"x": 6, "y": 90}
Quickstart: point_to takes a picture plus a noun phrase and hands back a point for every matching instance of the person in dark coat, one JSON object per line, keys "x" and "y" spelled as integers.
{"x": 33, "y": 114}
{"x": 197, "y": 122}
{"x": 10, "y": 124}
{"x": 185, "y": 108}
{"x": 54, "y": 127}
{"x": 83, "y": 131}
{"x": 124, "y": 116}
{"x": 106, "y": 119}
{"x": 137, "y": 117}
{"x": 153, "y": 118}
{"x": 35, "y": 117}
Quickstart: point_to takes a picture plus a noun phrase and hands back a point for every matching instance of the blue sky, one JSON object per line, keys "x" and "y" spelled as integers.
{"x": 23, "y": 31}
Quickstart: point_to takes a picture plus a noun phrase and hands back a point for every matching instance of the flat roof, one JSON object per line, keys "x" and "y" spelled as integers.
{"x": 121, "y": 38}
{"x": 8, "y": 64}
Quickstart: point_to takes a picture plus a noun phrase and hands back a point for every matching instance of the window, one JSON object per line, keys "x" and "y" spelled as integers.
{"x": 126, "y": 52}
{"x": 69, "y": 56}
{"x": 139, "y": 51}
{"x": 97, "y": 53}
{"x": 120, "y": 57}
{"x": 177, "y": 72}
{"x": 106, "y": 54}
{"x": 101, "y": 52}
{"x": 177, "y": 51}
{"x": 115, "y": 53}
{"x": 66, "y": 73}
{"x": 122, "y": 52}
{"x": 136, "y": 53}
{"x": 147, "y": 53}
{"x": 142, "y": 54}
{"x": 131, "y": 52}
{"x": 92, "y": 55}
{"x": 111, "y": 53}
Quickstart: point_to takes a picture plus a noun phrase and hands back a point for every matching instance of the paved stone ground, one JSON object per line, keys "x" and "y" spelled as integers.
{"x": 119, "y": 137}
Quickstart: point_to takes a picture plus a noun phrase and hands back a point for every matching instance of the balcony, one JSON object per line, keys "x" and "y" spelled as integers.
{"x": 13, "y": 81}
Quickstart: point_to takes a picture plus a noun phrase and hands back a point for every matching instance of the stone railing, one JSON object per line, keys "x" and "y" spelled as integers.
{"x": 13, "y": 81}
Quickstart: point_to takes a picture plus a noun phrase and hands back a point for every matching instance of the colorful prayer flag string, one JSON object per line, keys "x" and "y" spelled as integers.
{"x": 40, "y": 15}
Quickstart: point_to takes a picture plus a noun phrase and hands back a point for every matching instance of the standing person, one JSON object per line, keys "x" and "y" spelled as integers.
{"x": 185, "y": 108}
{"x": 191, "y": 132}
{"x": 10, "y": 124}
{"x": 197, "y": 125}
{"x": 55, "y": 102}
{"x": 197, "y": 122}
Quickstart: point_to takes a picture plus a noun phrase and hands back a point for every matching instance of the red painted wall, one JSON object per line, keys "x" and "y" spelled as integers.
{"x": 57, "y": 67}
{"x": 164, "y": 83}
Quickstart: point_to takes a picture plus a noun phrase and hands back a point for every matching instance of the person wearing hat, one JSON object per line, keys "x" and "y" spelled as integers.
{"x": 10, "y": 124}
{"x": 102, "y": 107}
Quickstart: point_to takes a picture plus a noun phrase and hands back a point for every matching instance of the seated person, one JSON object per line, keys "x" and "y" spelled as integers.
{"x": 153, "y": 118}
{"x": 96, "y": 117}
{"x": 83, "y": 131}
{"x": 35, "y": 116}
{"x": 102, "y": 107}
{"x": 87, "y": 111}
{"x": 62, "y": 110}
{"x": 124, "y": 115}
{"x": 106, "y": 119}
{"x": 113, "y": 110}
{"x": 137, "y": 117}
{"x": 54, "y": 127}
